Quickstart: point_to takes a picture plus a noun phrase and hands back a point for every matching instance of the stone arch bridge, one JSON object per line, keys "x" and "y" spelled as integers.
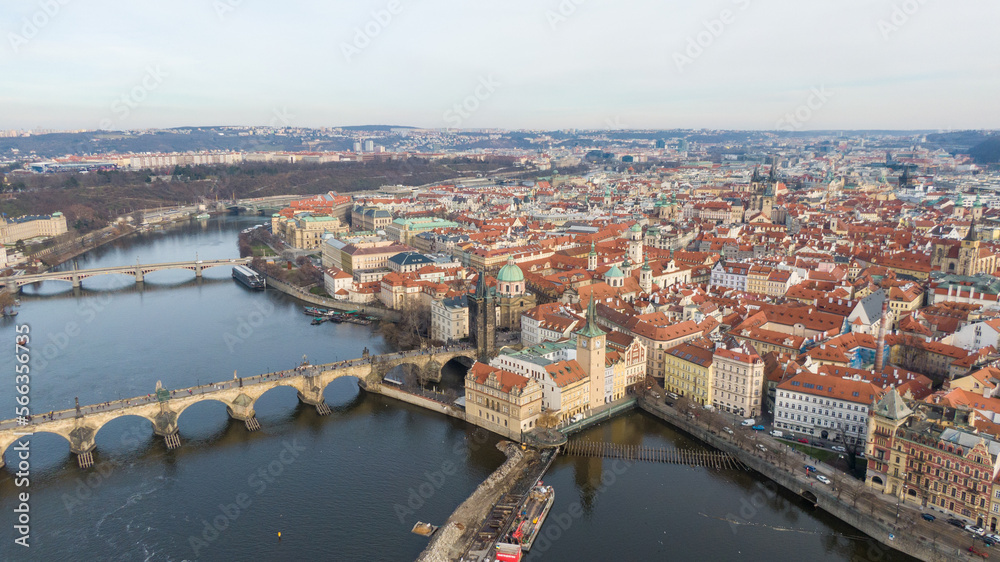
{"x": 76, "y": 276}
{"x": 79, "y": 426}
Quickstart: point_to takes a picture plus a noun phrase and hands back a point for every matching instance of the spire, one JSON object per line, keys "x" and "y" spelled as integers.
{"x": 970, "y": 236}
{"x": 481, "y": 285}
{"x": 880, "y": 349}
{"x": 592, "y": 251}
{"x": 645, "y": 265}
{"x": 592, "y": 329}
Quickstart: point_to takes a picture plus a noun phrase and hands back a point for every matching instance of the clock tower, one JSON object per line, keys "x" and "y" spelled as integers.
{"x": 590, "y": 354}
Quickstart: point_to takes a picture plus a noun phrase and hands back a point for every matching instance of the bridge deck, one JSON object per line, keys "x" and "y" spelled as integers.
{"x": 709, "y": 459}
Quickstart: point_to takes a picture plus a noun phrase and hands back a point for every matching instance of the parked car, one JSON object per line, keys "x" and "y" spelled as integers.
{"x": 762, "y": 448}
{"x": 928, "y": 517}
{"x": 757, "y": 428}
{"x": 975, "y": 529}
{"x": 956, "y": 522}
{"x": 993, "y": 537}
{"x": 727, "y": 430}
{"x": 576, "y": 418}
{"x": 839, "y": 448}
{"x": 816, "y": 444}
{"x": 802, "y": 440}
{"x": 672, "y": 395}
{"x": 810, "y": 468}
{"x": 822, "y": 479}
{"x": 776, "y": 433}
{"x": 748, "y": 422}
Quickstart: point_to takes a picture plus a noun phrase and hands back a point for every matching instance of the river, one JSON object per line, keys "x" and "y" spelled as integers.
{"x": 342, "y": 487}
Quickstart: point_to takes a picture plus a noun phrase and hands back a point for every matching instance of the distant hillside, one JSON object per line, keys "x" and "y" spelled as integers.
{"x": 986, "y": 152}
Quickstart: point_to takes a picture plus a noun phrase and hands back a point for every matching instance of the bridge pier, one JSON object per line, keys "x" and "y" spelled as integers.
{"x": 138, "y": 275}
{"x": 312, "y": 394}
{"x": 81, "y": 444}
{"x": 197, "y": 270}
{"x": 241, "y": 409}
{"x": 165, "y": 425}
{"x": 76, "y": 281}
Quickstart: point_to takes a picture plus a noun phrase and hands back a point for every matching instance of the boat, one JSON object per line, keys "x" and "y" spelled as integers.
{"x": 203, "y": 216}
{"x": 423, "y": 529}
{"x": 507, "y": 552}
{"x": 318, "y": 321}
{"x": 313, "y": 311}
{"x": 249, "y": 277}
{"x": 531, "y": 518}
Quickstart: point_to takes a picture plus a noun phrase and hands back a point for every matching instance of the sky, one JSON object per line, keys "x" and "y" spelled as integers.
{"x": 512, "y": 64}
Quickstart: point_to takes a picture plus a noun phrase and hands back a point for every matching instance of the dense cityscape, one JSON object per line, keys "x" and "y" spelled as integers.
{"x": 484, "y": 282}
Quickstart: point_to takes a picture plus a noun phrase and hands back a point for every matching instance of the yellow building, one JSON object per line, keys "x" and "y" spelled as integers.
{"x": 23, "y": 228}
{"x": 757, "y": 279}
{"x": 501, "y": 401}
{"x": 689, "y": 372}
{"x": 305, "y": 230}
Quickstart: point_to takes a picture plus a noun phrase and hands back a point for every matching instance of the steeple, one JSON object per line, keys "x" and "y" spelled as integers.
{"x": 970, "y": 236}
{"x": 591, "y": 330}
{"x": 592, "y": 257}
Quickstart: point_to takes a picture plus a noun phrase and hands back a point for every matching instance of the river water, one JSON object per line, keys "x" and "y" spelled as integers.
{"x": 342, "y": 487}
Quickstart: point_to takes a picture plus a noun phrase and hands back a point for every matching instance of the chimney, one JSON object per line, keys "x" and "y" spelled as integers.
{"x": 880, "y": 346}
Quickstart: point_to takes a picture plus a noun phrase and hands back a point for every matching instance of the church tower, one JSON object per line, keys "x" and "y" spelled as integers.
{"x": 977, "y": 209}
{"x": 646, "y": 277}
{"x": 483, "y": 320}
{"x": 968, "y": 254}
{"x": 635, "y": 243}
{"x": 592, "y": 258}
{"x": 590, "y": 353}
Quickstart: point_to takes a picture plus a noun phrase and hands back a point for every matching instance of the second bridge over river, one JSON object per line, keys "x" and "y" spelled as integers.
{"x": 80, "y": 425}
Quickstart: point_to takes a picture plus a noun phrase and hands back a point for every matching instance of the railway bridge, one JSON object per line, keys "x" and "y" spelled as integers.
{"x": 162, "y": 408}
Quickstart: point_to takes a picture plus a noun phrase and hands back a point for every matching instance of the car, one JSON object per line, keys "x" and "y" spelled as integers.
{"x": 801, "y": 440}
{"x": 822, "y": 479}
{"x": 956, "y": 522}
{"x": 576, "y": 418}
{"x": 928, "y": 517}
{"x": 748, "y": 422}
{"x": 816, "y": 444}
{"x": 839, "y": 449}
{"x": 709, "y": 407}
{"x": 975, "y": 529}
{"x": 672, "y": 395}
{"x": 776, "y": 433}
{"x": 761, "y": 447}
{"x": 993, "y": 537}
{"x": 757, "y": 428}
{"x": 670, "y": 403}
{"x": 810, "y": 468}
{"x": 727, "y": 430}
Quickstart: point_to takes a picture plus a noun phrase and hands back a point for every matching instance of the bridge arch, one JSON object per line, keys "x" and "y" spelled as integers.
{"x": 7, "y": 446}
{"x": 132, "y": 436}
{"x": 810, "y": 497}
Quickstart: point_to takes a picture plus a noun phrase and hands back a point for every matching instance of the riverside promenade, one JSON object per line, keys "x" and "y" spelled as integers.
{"x": 890, "y": 526}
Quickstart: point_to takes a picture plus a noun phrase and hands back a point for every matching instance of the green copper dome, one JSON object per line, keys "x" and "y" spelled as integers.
{"x": 510, "y": 273}
{"x": 614, "y": 272}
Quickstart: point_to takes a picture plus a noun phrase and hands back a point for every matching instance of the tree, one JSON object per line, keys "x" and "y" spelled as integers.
{"x": 412, "y": 329}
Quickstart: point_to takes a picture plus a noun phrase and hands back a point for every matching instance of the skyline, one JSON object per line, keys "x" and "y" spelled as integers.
{"x": 736, "y": 64}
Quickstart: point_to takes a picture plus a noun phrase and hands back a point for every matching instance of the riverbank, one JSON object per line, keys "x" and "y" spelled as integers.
{"x": 455, "y": 537}
{"x": 849, "y": 503}
{"x": 306, "y": 296}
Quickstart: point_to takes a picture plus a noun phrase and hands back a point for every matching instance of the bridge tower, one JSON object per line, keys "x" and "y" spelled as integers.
{"x": 483, "y": 320}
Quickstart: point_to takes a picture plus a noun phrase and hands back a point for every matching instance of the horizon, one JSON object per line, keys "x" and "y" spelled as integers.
{"x": 570, "y": 64}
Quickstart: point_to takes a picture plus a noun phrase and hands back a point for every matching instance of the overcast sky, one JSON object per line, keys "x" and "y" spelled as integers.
{"x": 540, "y": 64}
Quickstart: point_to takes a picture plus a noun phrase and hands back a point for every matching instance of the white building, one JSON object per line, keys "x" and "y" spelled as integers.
{"x": 731, "y": 275}
{"x": 826, "y": 407}
{"x": 739, "y": 381}
{"x": 450, "y": 319}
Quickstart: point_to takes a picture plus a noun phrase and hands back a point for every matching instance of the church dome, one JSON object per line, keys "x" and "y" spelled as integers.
{"x": 614, "y": 272}
{"x": 510, "y": 273}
